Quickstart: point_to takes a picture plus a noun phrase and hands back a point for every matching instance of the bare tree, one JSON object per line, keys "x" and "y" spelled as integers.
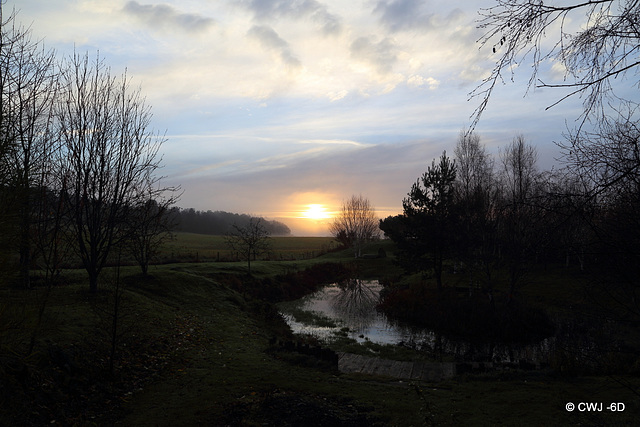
{"x": 607, "y": 159}
{"x": 7, "y": 226}
{"x": 476, "y": 198}
{"x": 250, "y": 240}
{"x": 355, "y": 224}
{"x": 595, "y": 42}
{"x": 28, "y": 86}
{"x": 607, "y": 163}
{"x": 520, "y": 217}
{"x": 473, "y": 165}
{"x": 150, "y": 224}
{"x": 112, "y": 157}
{"x": 570, "y": 215}
{"x": 519, "y": 171}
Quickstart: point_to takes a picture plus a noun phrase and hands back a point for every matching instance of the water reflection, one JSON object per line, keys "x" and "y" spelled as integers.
{"x": 355, "y": 303}
{"x": 352, "y": 304}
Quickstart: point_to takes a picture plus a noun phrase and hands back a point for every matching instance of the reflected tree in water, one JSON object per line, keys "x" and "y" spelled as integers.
{"x": 356, "y": 302}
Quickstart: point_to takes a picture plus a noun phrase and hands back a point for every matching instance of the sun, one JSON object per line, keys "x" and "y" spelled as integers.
{"x": 316, "y": 211}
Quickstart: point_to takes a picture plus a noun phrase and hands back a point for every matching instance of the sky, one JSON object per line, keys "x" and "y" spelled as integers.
{"x": 270, "y": 106}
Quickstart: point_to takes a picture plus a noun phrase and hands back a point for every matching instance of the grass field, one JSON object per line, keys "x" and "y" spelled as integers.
{"x": 189, "y": 247}
{"x": 193, "y": 351}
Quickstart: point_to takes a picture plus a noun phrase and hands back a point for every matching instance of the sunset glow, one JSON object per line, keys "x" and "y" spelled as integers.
{"x": 286, "y": 108}
{"x": 316, "y": 211}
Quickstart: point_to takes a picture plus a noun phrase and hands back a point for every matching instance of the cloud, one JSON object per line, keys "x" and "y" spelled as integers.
{"x": 383, "y": 173}
{"x": 166, "y": 17}
{"x": 558, "y": 71}
{"x": 382, "y": 55}
{"x": 337, "y": 95}
{"x": 269, "y": 39}
{"x": 267, "y": 10}
{"x": 398, "y": 15}
{"x": 418, "y": 81}
{"x": 326, "y": 124}
{"x": 332, "y": 142}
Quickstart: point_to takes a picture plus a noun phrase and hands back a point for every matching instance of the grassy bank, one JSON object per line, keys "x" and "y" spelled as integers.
{"x": 190, "y": 350}
{"x": 194, "y": 350}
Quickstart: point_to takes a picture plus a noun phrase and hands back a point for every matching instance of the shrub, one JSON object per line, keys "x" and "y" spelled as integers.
{"x": 474, "y": 316}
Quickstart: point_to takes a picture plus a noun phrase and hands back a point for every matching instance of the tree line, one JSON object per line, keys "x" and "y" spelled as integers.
{"x": 220, "y": 223}
{"x": 592, "y": 207}
{"x": 79, "y": 162}
{"x": 507, "y": 215}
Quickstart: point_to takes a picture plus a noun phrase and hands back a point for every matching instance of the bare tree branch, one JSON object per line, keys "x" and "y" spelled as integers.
{"x": 355, "y": 224}
{"x": 250, "y": 240}
{"x": 604, "y": 47}
{"x": 112, "y": 157}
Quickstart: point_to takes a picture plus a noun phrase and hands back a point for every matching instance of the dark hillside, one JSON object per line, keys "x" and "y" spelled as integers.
{"x": 219, "y": 222}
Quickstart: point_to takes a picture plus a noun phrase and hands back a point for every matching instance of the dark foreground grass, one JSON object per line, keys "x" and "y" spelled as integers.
{"x": 195, "y": 352}
{"x": 229, "y": 377}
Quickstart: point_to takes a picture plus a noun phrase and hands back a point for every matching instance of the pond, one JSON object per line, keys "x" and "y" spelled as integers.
{"x": 350, "y": 307}
{"x": 336, "y": 307}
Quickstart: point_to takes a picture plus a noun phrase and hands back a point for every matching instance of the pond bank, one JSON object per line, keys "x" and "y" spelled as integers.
{"x": 347, "y": 311}
{"x": 419, "y": 370}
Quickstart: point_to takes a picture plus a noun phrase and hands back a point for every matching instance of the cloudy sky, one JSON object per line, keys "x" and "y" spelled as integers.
{"x": 273, "y": 105}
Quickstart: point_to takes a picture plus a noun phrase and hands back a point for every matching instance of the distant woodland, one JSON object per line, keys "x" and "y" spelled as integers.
{"x": 219, "y": 222}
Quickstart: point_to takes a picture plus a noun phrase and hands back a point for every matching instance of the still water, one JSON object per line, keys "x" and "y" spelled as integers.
{"x": 352, "y": 304}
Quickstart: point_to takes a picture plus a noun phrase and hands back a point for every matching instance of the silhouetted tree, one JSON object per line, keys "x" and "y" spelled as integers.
{"x": 474, "y": 168}
{"x": 476, "y": 194}
{"x": 569, "y": 214}
{"x": 425, "y": 232}
{"x": 608, "y": 165}
{"x": 355, "y": 224}
{"x": 150, "y": 224}
{"x": 595, "y": 43}
{"x": 28, "y": 89}
{"x": 114, "y": 315}
{"x": 250, "y": 240}
{"x": 7, "y": 217}
{"x": 111, "y": 157}
{"x": 520, "y": 218}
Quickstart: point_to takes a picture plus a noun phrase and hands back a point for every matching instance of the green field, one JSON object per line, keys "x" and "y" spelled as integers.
{"x": 194, "y": 348}
{"x": 189, "y": 247}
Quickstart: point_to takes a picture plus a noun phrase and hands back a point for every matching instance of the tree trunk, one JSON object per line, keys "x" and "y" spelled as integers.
{"x": 93, "y": 281}
{"x": 25, "y": 243}
{"x": 438, "y": 261}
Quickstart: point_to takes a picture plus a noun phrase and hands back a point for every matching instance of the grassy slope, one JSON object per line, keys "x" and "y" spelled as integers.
{"x": 228, "y": 376}
{"x": 197, "y": 354}
{"x": 228, "y": 371}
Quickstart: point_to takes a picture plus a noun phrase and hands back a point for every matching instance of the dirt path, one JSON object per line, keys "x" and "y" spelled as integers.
{"x": 424, "y": 371}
